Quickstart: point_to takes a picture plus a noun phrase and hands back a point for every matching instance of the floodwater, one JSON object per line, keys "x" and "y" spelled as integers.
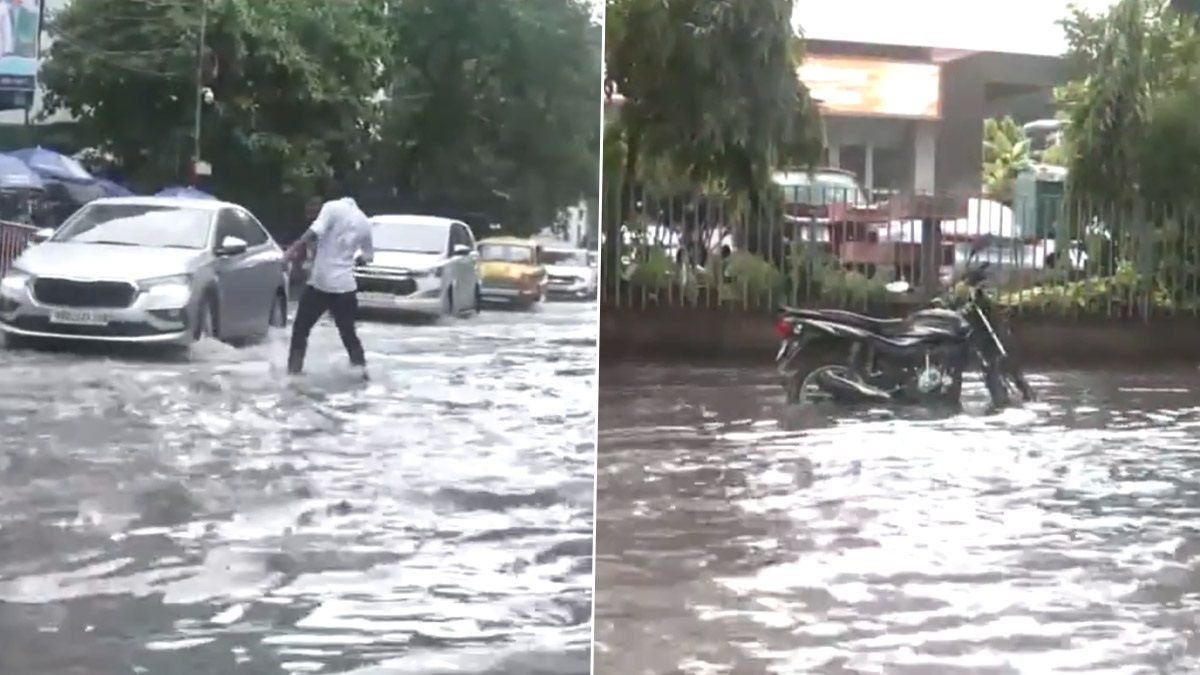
{"x": 738, "y": 536}
{"x": 202, "y": 514}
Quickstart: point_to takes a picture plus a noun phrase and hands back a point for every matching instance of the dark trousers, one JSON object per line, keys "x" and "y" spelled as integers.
{"x": 313, "y": 304}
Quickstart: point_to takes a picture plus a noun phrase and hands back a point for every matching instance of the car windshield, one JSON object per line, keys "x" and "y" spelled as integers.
{"x": 506, "y": 253}
{"x": 149, "y": 225}
{"x": 566, "y": 258}
{"x": 819, "y": 188}
{"x": 410, "y": 237}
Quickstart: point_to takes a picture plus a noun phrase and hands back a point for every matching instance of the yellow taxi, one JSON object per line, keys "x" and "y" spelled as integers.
{"x": 511, "y": 272}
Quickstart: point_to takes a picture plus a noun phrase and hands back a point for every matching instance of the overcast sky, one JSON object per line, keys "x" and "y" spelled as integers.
{"x": 1017, "y": 26}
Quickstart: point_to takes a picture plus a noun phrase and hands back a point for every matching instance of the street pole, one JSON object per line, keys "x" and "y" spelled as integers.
{"x": 199, "y": 92}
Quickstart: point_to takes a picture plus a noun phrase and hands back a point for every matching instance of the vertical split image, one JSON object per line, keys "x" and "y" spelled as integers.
{"x": 899, "y": 338}
{"x": 299, "y": 335}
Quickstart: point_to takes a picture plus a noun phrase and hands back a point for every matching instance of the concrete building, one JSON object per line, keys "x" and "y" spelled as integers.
{"x": 910, "y": 118}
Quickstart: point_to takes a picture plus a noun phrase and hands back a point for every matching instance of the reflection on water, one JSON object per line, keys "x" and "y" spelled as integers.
{"x": 161, "y": 514}
{"x": 736, "y": 535}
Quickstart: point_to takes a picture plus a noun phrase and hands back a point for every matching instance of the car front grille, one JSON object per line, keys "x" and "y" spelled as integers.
{"x": 391, "y": 285}
{"x": 91, "y": 294}
{"x": 563, "y": 280}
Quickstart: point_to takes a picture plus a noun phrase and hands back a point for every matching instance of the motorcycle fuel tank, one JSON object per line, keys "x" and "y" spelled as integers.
{"x": 936, "y": 322}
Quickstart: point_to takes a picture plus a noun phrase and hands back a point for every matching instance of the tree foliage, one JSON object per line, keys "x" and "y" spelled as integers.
{"x": 292, "y": 87}
{"x": 1135, "y": 67}
{"x": 1133, "y": 139}
{"x": 494, "y": 106}
{"x": 710, "y": 90}
{"x": 1005, "y": 154}
{"x": 470, "y": 104}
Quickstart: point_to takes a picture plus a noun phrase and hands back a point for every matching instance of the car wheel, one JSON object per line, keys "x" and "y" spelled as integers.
{"x": 278, "y": 317}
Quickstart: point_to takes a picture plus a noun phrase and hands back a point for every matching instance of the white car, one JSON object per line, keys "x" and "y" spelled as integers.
{"x": 423, "y": 265}
{"x": 570, "y": 274}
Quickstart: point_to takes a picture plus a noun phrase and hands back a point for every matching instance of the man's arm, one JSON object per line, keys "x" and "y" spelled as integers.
{"x": 311, "y": 235}
{"x": 366, "y": 244}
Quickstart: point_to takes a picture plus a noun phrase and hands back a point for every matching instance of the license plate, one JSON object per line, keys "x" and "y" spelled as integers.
{"x": 382, "y": 298}
{"x": 79, "y": 318}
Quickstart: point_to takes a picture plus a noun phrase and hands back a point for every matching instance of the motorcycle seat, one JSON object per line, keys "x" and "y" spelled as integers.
{"x": 885, "y": 327}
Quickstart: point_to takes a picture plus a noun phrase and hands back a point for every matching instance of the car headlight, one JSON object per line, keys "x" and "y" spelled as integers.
{"x": 425, "y": 274}
{"x": 16, "y": 279}
{"x": 176, "y": 287}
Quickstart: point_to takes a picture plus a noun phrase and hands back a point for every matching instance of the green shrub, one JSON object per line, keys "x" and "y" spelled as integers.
{"x": 751, "y": 277}
{"x": 656, "y": 270}
{"x": 1123, "y": 289}
{"x": 850, "y": 287}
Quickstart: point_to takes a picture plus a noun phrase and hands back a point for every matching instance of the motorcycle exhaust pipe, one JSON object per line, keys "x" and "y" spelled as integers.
{"x": 846, "y": 389}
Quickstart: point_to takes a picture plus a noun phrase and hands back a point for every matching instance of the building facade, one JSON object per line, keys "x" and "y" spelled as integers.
{"x": 910, "y": 119}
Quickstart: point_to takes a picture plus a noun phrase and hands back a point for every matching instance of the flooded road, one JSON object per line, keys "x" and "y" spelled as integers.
{"x": 736, "y": 536}
{"x": 162, "y": 514}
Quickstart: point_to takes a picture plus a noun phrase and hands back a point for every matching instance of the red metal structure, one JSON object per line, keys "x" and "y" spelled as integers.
{"x": 14, "y": 238}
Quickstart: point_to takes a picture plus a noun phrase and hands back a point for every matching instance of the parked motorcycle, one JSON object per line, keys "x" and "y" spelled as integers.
{"x": 830, "y": 354}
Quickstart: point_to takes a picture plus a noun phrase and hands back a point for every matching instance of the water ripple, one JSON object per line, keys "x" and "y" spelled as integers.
{"x": 206, "y": 515}
{"x": 736, "y": 535}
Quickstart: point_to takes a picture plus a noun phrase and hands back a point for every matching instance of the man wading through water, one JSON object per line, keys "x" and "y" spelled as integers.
{"x": 341, "y": 235}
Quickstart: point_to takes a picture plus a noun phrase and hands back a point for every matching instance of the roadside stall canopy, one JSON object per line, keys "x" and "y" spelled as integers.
{"x": 54, "y": 165}
{"x": 113, "y": 188}
{"x": 16, "y": 175}
{"x": 184, "y": 193}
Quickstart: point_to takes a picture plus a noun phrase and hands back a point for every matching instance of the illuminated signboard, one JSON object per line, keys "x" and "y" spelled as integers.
{"x": 852, "y": 86}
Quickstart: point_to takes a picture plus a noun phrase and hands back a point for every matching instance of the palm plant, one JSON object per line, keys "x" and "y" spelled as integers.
{"x": 1005, "y": 154}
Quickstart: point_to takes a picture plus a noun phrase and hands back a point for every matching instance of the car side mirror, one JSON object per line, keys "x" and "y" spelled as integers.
{"x": 41, "y": 234}
{"x": 460, "y": 250}
{"x": 232, "y": 246}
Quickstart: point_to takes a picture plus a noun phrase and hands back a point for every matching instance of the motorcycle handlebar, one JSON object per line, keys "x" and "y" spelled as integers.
{"x": 976, "y": 275}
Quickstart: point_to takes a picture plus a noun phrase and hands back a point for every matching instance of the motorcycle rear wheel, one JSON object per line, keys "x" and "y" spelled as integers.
{"x": 802, "y": 387}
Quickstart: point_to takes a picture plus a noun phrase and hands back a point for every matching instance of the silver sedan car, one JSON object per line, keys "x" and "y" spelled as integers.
{"x": 148, "y": 270}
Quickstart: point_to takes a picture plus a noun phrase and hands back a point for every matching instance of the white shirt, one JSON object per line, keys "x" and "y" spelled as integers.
{"x": 343, "y": 233}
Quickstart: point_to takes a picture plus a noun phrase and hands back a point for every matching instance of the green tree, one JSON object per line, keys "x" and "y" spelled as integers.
{"x": 711, "y": 92}
{"x": 1131, "y": 66}
{"x": 293, "y": 86}
{"x": 493, "y": 107}
{"x": 1132, "y": 138}
{"x": 1005, "y": 154}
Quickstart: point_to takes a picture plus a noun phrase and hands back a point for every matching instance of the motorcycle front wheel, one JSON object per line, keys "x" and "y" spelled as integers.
{"x": 997, "y": 387}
